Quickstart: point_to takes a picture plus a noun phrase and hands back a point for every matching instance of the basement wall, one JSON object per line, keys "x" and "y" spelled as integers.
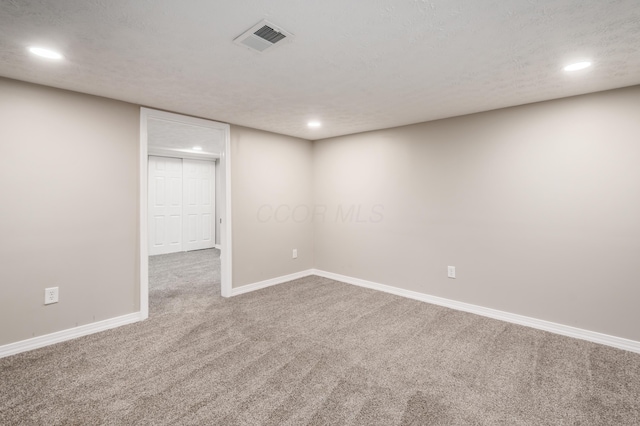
{"x": 68, "y": 209}
{"x": 271, "y": 177}
{"x": 537, "y": 207}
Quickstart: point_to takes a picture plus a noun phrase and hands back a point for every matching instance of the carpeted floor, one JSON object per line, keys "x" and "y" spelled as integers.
{"x": 313, "y": 352}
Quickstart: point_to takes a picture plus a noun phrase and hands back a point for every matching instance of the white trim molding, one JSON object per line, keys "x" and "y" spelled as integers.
{"x": 564, "y": 330}
{"x": 71, "y": 333}
{"x": 143, "y": 242}
{"x": 224, "y": 161}
{"x": 181, "y": 153}
{"x": 268, "y": 283}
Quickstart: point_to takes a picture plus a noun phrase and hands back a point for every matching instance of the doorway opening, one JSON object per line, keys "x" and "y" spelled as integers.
{"x": 194, "y": 141}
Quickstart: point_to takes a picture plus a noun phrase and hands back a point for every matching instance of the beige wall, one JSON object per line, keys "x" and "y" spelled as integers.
{"x": 271, "y": 180}
{"x": 68, "y": 208}
{"x": 538, "y": 207}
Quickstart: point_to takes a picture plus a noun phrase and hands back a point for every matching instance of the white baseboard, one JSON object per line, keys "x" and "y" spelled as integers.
{"x": 71, "y": 333}
{"x": 565, "y": 330}
{"x": 268, "y": 283}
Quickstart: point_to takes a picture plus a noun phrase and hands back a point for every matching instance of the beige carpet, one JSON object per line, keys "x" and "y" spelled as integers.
{"x": 314, "y": 351}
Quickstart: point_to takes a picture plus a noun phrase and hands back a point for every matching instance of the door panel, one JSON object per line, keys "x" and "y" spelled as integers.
{"x": 181, "y": 205}
{"x": 165, "y": 205}
{"x": 199, "y": 208}
{"x": 158, "y": 237}
{"x": 207, "y": 221}
{"x": 175, "y": 231}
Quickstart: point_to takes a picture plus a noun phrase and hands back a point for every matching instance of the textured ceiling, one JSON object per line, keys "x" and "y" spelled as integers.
{"x": 355, "y": 65}
{"x": 176, "y": 136}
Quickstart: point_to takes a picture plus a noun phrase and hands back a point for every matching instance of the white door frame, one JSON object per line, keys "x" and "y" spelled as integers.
{"x": 225, "y": 200}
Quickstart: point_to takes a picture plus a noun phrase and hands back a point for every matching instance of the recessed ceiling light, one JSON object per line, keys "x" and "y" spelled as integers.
{"x": 45, "y": 53}
{"x": 313, "y": 124}
{"x": 197, "y": 148}
{"x": 577, "y": 66}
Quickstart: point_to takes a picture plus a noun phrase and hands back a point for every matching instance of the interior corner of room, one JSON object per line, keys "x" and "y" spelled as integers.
{"x": 536, "y": 206}
{"x": 284, "y": 212}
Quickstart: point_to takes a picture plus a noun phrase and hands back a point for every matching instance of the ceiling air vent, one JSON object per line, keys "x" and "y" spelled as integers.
{"x": 263, "y": 36}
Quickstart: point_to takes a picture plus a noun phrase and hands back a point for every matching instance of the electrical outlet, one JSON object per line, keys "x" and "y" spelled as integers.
{"x": 50, "y": 295}
{"x": 295, "y": 254}
{"x": 451, "y": 271}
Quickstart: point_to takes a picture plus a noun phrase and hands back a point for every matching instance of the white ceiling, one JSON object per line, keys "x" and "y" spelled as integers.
{"x": 355, "y": 65}
{"x": 169, "y": 135}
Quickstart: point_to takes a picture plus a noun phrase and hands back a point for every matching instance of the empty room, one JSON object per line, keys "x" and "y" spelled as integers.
{"x": 279, "y": 212}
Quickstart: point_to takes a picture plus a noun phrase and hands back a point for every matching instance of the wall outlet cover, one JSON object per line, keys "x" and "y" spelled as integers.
{"x": 451, "y": 271}
{"x": 50, "y": 295}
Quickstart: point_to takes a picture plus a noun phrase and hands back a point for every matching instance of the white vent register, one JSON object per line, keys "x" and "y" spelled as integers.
{"x": 263, "y": 36}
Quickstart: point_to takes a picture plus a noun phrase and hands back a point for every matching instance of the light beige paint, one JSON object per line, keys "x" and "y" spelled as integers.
{"x": 270, "y": 173}
{"x": 538, "y": 207}
{"x": 68, "y": 209}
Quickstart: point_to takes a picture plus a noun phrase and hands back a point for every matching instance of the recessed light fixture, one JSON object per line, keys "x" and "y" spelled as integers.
{"x": 45, "y": 53}
{"x": 197, "y": 148}
{"x": 578, "y": 66}
{"x": 314, "y": 124}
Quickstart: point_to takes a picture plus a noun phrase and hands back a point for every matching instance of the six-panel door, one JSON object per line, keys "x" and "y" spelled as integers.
{"x": 198, "y": 207}
{"x": 181, "y": 205}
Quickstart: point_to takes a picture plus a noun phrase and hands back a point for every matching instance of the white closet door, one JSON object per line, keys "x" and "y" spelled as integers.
{"x": 199, "y": 204}
{"x": 165, "y": 205}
